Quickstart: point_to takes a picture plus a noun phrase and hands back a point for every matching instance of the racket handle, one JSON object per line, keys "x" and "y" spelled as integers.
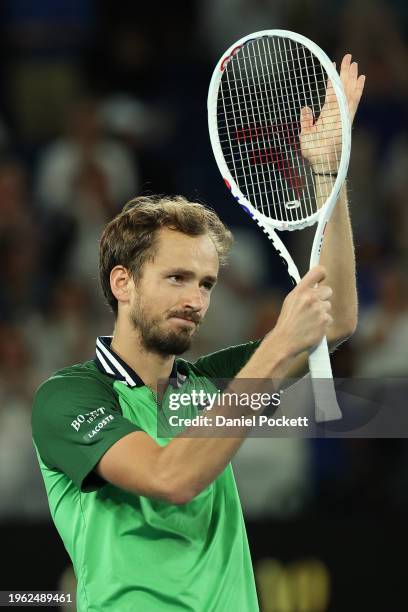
{"x": 326, "y": 406}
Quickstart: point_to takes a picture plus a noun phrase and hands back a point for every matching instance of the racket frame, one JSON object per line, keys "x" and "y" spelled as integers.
{"x": 327, "y": 408}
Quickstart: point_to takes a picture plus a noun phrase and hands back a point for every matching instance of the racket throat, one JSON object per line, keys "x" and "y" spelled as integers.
{"x": 281, "y": 249}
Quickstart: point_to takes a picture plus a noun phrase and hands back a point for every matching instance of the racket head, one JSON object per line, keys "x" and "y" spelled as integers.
{"x": 256, "y": 94}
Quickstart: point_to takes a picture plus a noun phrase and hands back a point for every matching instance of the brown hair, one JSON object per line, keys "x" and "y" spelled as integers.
{"x": 129, "y": 239}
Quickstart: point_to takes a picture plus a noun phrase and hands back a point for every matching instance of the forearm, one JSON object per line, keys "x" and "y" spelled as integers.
{"x": 194, "y": 459}
{"x": 337, "y": 257}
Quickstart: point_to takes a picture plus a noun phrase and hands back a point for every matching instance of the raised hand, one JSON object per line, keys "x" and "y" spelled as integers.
{"x": 320, "y": 141}
{"x": 305, "y": 315}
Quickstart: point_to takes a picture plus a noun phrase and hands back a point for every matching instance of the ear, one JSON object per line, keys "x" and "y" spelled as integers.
{"x": 121, "y": 283}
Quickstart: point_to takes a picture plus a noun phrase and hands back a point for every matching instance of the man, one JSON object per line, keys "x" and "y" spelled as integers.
{"x": 151, "y": 523}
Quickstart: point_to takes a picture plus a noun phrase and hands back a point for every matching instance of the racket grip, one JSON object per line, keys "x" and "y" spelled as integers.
{"x": 326, "y": 406}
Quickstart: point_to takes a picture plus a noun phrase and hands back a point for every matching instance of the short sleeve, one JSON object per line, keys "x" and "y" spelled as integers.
{"x": 227, "y": 362}
{"x": 75, "y": 420}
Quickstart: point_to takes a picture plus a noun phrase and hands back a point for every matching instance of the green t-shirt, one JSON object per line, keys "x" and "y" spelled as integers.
{"x": 131, "y": 553}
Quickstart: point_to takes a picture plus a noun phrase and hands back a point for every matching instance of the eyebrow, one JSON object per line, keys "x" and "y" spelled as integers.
{"x": 190, "y": 274}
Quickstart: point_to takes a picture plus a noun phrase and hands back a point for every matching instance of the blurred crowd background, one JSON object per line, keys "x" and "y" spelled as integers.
{"x": 101, "y": 102}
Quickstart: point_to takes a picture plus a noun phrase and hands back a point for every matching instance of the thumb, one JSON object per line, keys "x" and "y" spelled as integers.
{"x": 315, "y": 276}
{"x": 306, "y": 118}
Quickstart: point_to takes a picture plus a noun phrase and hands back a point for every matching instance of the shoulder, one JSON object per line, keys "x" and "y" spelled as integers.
{"x": 72, "y": 388}
{"x": 76, "y": 418}
{"x": 81, "y": 376}
{"x": 225, "y": 363}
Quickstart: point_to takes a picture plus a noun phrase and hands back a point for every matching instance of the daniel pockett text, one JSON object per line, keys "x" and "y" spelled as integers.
{"x": 205, "y": 402}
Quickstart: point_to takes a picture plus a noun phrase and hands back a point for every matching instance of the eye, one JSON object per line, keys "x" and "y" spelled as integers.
{"x": 208, "y": 285}
{"x": 176, "y": 278}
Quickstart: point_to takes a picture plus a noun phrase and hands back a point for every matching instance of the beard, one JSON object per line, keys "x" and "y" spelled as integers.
{"x": 155, "y": 338}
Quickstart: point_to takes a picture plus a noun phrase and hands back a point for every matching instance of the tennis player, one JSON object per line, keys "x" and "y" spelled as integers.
{"x": 155, "y": 524}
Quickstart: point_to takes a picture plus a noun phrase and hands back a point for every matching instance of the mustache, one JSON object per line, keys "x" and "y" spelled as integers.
{"x": 186, "y": 314}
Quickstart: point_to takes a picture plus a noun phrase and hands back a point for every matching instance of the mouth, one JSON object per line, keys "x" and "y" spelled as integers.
{"x": 183, "y": 320}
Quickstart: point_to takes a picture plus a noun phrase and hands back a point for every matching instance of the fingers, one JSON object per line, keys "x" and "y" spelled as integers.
{"x": 348, "y": 72}
{"x": 328, "y": 321}
{"x": 353, "y": 72}
{"x": 306, "y": 312}
{"x": 322, "y": 305}
{"x": 361, "y": 81}
{"x": 330, "y": 98}
{"x": 306, "y": 119}
{"x": 353, "y": 83}
{"x": 323, "y": 292}
{"x": 345, "y": 66}
{"x": 315, "y": 276}
{"x": 348, "y": 75}
{"x": 360, "y": 85}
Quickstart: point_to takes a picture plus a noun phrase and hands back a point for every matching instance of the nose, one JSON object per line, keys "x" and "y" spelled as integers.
{"x": 193, "y": 299}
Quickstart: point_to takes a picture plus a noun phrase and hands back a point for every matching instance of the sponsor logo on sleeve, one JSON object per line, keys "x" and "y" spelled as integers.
{"x": 88, "y": 417}
{"x": 99, "y": 426}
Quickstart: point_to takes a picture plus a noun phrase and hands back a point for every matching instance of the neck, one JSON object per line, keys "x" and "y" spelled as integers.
{"x": 150, "y": 367}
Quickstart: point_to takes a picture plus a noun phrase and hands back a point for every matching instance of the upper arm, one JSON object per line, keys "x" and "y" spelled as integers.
{"x": 131, "y": 464}
{"x": 75, "y": 420}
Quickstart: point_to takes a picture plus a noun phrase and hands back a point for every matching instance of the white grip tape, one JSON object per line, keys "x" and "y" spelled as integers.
{"x": 326, "y": 406}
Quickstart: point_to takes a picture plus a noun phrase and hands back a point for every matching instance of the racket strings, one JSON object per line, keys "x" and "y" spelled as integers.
{"x": 263, "y": 89}
{"x": 330, "y": 133}
{"x": 269, "y": 197}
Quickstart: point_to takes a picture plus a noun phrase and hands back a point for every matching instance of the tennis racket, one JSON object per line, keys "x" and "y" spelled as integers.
{"x": 283, "y": 178}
